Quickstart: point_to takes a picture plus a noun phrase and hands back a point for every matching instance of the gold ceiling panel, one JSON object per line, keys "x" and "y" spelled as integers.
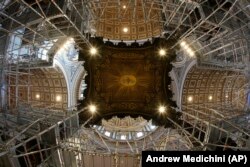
{"x": 125, "y": 81}
{"x": 213, "y": 89}
{"x": 127, "y": 84}
{"x": 47, "y": 89}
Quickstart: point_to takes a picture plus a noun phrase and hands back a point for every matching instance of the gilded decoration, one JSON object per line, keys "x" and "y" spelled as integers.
{"x": 128, "y": 81}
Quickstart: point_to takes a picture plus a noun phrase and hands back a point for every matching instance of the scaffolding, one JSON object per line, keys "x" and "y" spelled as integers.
{"x": 32, "y": 31}
{"x": 48, "y": 135}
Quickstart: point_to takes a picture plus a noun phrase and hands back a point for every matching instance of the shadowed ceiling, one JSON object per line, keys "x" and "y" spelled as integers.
{"x": 126, "y": 81}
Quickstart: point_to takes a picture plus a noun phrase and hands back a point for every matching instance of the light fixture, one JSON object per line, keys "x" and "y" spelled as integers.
{"x": 93, "y": 51}
{"x": 162, "y": 52}
{"x": 191, "y": 53}
{"x": 124, "y": 6}
{"x": 187, "y": 48}
{"x": 139, "y": 134}
{"x": 183, "y": 43}
{"x": 107, "y": 133}
{"x": 162, "y": 109}
{"x": 190, "y": 99}
{"x": 210, "y": 97}
{"x": 92, "y": 108}
{"x": 58, "y": 98}
{"x": 37, "y": 96}
{"x": 123, "y": 137}
{"x": 226, "y": 96}
{"x": 125, "y": 29}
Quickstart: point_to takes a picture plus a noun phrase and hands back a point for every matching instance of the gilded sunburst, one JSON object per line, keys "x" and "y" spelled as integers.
{"x": 127, "y": 81}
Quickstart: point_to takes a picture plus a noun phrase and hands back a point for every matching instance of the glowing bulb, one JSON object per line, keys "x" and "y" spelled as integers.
{"x": 185, "y": 47}
{"x": 183, "y": 43}
{"x": 58, "y": 98}
{"x": 191, "y": 53}
{"x": 92, "y": 108}
{"x": 162, "y": 52}
{"x": 210, "y": 97}
{"x": 125, "y": 29}
{"x": 124, "y": 6}
{"x": 162, "y": 109}
{"x": 190, "y": 98}
{"x": 189, "y": 50}
{"x": 37, "y": 96}
{"x": 93, "y": 51}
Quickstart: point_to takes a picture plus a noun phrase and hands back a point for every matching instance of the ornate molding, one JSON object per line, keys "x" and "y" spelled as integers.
{"x": 129, "y": 81}
{"x": 178, "y": 75}
{"x": 72, "y": 70}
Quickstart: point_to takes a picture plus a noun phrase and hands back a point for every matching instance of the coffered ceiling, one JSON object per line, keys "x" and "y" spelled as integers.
{"x": 140, "y": 18}
{"x": 44, "y": 87}
{"x": 211, "y": 89}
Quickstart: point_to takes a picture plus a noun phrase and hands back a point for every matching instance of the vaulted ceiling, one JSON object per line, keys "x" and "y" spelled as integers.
{"x": 42, "y": 88}
{"x": 142, "y": 19}
{"x": 212, "y": 89}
